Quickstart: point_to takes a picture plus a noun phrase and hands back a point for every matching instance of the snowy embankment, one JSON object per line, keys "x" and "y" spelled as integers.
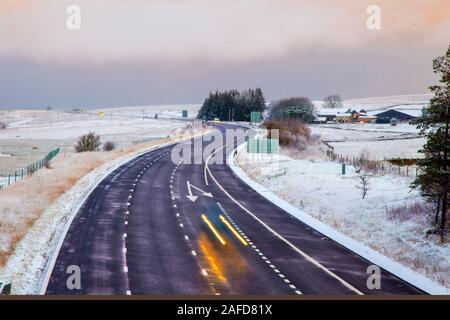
{"x": 29, "y": 267}
{"x": 316, "y": 193}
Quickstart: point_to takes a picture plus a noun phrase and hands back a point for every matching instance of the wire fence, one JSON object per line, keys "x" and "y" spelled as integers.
{"x": 280, "y": 172}
{"x": 8, "y": 179}
{"x": 375, "y": 166}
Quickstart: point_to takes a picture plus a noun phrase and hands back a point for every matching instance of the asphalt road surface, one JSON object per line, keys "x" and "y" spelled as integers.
{"x": 162, "y": 228}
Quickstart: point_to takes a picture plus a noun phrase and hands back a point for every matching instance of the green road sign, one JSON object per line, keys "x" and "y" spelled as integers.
{"x": 184, "y": 114}
{"x": 255, "y": 117}
{"x": 269, "y": 146}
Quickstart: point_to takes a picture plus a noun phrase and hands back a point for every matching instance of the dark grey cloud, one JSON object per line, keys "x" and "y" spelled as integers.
{"x": 371, "y": 71}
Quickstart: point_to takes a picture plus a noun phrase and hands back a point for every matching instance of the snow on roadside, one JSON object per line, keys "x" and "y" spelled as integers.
{"x": 319, "y": 190}
{"x": 28, "y": 267}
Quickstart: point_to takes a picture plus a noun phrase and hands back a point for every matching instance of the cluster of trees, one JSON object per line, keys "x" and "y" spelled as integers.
{"x": 232, "y": 105}
{"x": 299, "y": 108}
{"x": 434, "y": 178}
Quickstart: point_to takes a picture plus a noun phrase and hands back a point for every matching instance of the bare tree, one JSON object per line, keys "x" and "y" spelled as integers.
{"x": 362, "y": 160}
{"x": 333, "y": 101}
{"x": 363, "y": 185}
{"x": 88, "y": 142}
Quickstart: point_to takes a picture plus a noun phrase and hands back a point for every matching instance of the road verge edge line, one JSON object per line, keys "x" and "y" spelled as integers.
{"x": 397, "y": 269}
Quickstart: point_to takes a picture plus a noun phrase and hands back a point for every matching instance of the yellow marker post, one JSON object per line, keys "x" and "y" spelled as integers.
{"x": 216, "y": 233}
{"x": 233, "y": 230}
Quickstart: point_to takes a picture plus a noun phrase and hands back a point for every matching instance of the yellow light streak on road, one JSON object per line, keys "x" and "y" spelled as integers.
{"x": 214, "y": 259}
{"x": 233, "y": 230}
{"x": 216, "y": 233}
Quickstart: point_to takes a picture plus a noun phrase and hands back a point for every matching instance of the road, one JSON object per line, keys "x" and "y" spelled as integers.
{"x": 161, "y": 228}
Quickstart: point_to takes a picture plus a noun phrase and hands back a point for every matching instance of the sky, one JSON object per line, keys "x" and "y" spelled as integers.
{"x": 141, "y": 52}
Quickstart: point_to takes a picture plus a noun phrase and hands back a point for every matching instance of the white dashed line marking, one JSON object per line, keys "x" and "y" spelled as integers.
{"x": 263, "y": 257}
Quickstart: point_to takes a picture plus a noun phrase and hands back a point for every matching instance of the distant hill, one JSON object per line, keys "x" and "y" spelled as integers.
{"x": 410, "y": 101}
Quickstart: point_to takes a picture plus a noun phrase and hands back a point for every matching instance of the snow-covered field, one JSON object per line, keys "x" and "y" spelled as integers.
{"x": 380, "y": 141}
{"x": 31, "y": 134}
{"x": 318, "y": 188}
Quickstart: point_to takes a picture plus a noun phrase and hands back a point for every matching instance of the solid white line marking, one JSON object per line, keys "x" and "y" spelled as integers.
{"x": 125, "y": 269}
{"x": 303, "y": 254}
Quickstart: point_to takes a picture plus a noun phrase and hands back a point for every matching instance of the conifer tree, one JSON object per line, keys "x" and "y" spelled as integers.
{"x": 434, "y": 178}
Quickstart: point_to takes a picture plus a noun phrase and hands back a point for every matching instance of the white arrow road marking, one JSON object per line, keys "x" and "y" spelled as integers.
{"x": 191, "y": 196}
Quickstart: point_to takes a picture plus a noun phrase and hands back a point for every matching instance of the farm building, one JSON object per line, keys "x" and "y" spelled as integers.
{"x": 367, "y": 119}
{"x": 329, "y": 114}
{"x": 346, "y": 117}
{"x": 403, "y": 115}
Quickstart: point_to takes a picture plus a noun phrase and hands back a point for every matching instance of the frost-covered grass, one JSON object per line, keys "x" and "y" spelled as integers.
{"x": 24, "y": 202}
{"x": 392, "y": 219}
